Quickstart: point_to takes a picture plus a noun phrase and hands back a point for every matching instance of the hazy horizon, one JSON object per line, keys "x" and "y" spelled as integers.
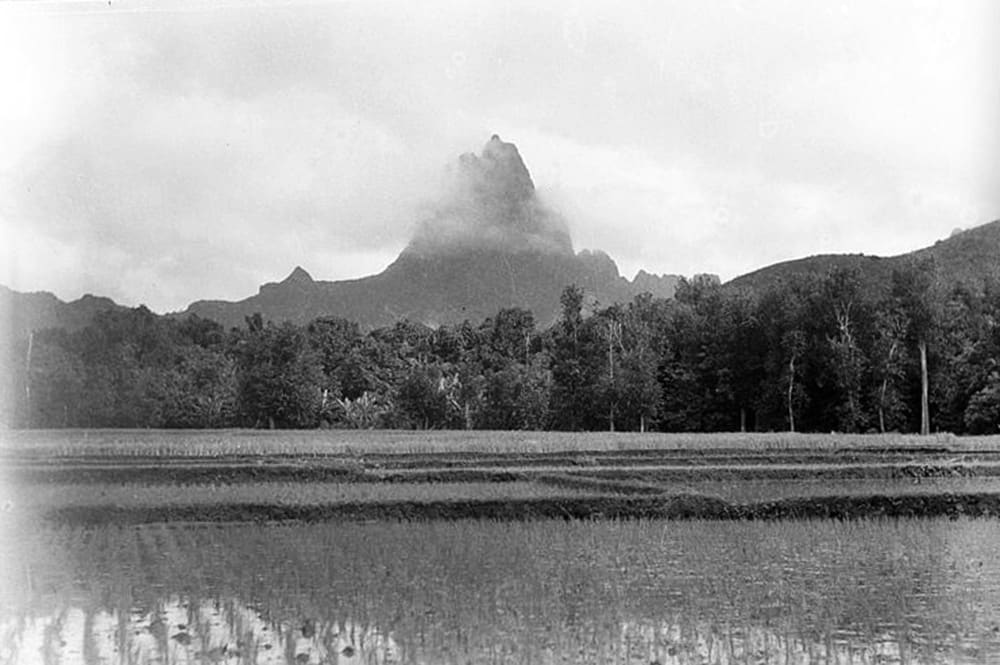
{"x": 161, "y": 153}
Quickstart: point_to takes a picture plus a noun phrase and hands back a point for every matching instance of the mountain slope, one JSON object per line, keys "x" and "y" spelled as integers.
{"x": 971, "y": 257}
{"x": 23, "y": 312}
{"x": 490, "y": 244}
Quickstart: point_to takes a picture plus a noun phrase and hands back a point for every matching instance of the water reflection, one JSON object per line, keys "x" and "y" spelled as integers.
{"x": 666, "y": 593}
{"x": 182, "y": 632}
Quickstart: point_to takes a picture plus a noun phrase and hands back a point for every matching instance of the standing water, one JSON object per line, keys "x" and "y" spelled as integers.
{"x": 867, "y": 591}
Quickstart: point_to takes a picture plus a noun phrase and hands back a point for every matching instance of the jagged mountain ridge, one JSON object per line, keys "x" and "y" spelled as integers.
{"x": 491, "y": 244}
{"x": 970, "y": 257}
{"x": 442, "y": 289}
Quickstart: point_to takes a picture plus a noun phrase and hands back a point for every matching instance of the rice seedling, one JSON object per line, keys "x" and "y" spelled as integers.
{"x": 486, "y": 591}
{"x": 749, "y": 491}
{"x": 867, "y": 591}
{"x": 39, "y": 497}
{"x": 216, "y": 443}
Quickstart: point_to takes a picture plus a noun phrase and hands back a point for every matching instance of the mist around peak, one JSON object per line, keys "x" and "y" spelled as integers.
{"x": 491, "y": 204}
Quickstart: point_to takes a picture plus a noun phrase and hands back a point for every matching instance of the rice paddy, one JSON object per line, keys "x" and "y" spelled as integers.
{"x": 868, "y": 591}
{"x": 214, "y": 443}
{"x": 331, "y": 547}
{"x": 35, "y": 498}
{"x": 202, "y": 476}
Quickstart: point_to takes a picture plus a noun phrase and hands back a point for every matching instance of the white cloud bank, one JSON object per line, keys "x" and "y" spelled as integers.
{"x": 164, "y": 152}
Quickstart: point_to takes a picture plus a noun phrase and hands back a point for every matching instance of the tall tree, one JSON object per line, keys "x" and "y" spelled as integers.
{"x": 783, "y": 315}
{"x": 641, "y": 397}
{"x": 693, "y": 374}
{"x": 913, "y": 287}
{"x": 516, "y": 397}
{"x": 982, "y": 415}
{"x": 508, "y": 338}
{"x": 574, "y": 364}
{"x": 57, "y": 378}
{"x": 427, "y": 399}
{"x": 610, "y": 387}
{"x": 843, "y": 300}
{"x": 887, "y": 359}
{"x": 200, "y": 391}
{"x": 280, "y": 377}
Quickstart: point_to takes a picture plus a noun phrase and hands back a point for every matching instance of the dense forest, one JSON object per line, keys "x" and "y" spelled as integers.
{"x": 810, "y": 354}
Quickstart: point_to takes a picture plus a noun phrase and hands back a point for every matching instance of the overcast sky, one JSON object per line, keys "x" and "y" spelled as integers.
{"x": 162, "y": 152}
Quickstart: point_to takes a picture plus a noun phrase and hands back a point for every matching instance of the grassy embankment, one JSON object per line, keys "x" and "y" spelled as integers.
{"x": 150, "y": 476}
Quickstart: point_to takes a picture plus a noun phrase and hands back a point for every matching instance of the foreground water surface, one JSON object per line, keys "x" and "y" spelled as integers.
{"x": 868, "y": 591}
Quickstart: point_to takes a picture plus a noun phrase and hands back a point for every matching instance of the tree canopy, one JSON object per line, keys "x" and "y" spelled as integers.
{"x": 810, "y": 354}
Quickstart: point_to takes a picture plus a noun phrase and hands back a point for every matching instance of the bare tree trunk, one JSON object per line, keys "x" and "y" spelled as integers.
{"x": 743, "y": 419}
{"x": 642, "y": 422}
{"x": 27, "y": 377}
{"x": 611, "y": 374}
{"x": 925, "y": 415}
{"x": 885, "y": 387}
{"x": 791, "y": 388}
{"x": 881, "y": 405}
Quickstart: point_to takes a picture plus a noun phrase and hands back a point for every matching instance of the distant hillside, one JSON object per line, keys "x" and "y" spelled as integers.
{"x": 436, "y": 290}
{"x": 971, "y": 257}
{"x": 491, "y": 244}
{"x": 24, "y": 312}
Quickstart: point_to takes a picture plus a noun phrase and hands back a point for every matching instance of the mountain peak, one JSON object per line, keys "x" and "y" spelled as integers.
{"x": 498, "y": 173}
{"x": 297, "y": 280}
{"x": 491, "y": 205}
{"x": 298, "y": 276}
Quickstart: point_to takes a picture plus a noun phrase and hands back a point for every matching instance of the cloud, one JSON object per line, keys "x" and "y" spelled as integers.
{"x": 490, "y": 203}
{"x": 183, "y": 184}
{"x": 252, "y": 181}
{"x": 173, "y": 151}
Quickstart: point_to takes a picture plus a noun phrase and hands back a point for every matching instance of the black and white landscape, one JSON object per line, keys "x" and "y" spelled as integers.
{"x": 652, "y": 333}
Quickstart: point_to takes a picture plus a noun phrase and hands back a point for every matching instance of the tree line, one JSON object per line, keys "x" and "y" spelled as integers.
{"x": 818, "y": 353}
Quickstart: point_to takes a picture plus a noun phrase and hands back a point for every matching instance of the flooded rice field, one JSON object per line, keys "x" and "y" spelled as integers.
{"x": 812, "y": 591}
